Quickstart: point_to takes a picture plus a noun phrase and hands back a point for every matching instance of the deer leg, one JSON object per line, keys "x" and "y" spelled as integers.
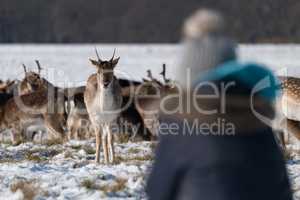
{"x": 70, "y": 134}
{"x": 76, "y": 133}
{"x": 15, "y": 138}
{"x": 111, "y": 150}
{"x": 98, "y": 144}
{"x": 53, "y": 124}
{"x": 105, "y": 147}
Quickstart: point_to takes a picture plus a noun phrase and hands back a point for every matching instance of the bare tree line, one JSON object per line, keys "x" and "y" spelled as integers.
{"x": 141, "y": 20}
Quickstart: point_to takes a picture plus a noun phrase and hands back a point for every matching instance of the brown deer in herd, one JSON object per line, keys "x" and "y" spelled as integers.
{"x": 148, "y": 97}
{"x": 19, "y": 112}
{"x": 38, "y": 100}
{"x": 78, "y": 123}
{"x": 33, "y": 81}
{"x": 103, "y": 99}
{"x": 8, "y": 86}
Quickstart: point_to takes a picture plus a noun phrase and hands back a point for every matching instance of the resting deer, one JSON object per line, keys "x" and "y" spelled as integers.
{"x": 39, "y": 96}
{"x": 21, "y": 111}
{"x": 33, "y": 81}
{"x": 103, "y": 100}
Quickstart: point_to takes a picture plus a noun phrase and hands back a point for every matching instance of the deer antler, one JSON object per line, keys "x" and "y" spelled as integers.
{"x": 39, "y": 66}
{"x": 163, "y": 73}
{"x": 24, "y": 67}
{"x": 113, "y": 55}
{"x": 97, "y": 55}
{"x": 149, "y": 75}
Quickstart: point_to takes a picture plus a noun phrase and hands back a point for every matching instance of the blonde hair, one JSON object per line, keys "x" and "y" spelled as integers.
{"x": 203, "y": 22}
{"x": 205, "y": 45}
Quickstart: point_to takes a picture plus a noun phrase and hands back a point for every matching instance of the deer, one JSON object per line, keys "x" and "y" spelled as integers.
{"x": 147, "y": 99}
{"x": 8, "y": 86}
{"x": 32, "y": 81}
{"x": 38, "y": 96}
{"x": 78, "y": 123}
{"x": 289, "y": 105}
{"x": 103, "y": 100}
{"x": 22, "y": 110}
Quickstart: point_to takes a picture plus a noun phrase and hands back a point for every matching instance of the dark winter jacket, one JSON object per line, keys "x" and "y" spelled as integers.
{"x": 230, "y": 155}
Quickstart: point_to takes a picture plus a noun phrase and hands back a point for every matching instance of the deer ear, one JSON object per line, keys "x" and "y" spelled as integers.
{"x": 115, "y": 61}
{"x": 94, "y": 62}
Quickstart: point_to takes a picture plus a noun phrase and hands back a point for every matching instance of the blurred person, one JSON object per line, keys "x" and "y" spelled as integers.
{"x": 222, "y": 147}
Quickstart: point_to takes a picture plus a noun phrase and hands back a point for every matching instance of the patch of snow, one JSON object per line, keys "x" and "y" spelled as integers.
{"x": 74, "y": 175}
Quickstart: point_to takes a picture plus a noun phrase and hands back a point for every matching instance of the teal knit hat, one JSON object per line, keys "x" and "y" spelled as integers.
{"x": 256, "y": 77}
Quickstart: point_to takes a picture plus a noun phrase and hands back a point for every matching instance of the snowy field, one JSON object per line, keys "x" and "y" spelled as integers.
{"x": 56, "y": 171}
{"x": 69, "y": 64}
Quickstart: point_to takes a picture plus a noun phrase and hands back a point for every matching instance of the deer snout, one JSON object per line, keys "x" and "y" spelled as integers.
{"x": 106, "y": 83}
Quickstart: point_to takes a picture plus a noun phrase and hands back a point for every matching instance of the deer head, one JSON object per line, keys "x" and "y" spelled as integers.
{"x": 32, "y": 80}
{"x": 105, "y": 69}
{"x": 6, "y": 87}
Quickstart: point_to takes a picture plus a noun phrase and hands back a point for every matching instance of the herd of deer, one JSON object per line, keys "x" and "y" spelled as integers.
{"x": 65, "y": 111}
{"x": 101, "y": 104}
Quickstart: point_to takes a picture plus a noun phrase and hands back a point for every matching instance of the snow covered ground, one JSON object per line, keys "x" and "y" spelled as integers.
{"x": 56, "y": 171}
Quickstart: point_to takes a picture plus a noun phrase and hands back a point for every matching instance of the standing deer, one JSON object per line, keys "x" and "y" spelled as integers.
{"x": 79, "y": 124}
{"x": 103, "y": 99}
{"x": 148, "y": 97}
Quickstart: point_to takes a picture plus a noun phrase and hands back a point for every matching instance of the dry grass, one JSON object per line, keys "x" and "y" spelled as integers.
{"x": 133, "y": 151}
{"x": 28, "y": 188}
{"x": 8, "y": 160}
{"x": 89, "y": 149}
{"x": 33, "y": 157}
{"x": 68, "y": 154}
{"x": 153, "y": 146}
{"x": 76, "y": 147}
{"x": 7, "y": 142}
{"x": 53, "y": 141}
{"x": 136, "y": 158}
{"x": 287, "y": 155}
{"x": 122, "y": 138}
{"x": 89, "y": 184}
{"x": 118, "y": 185}
{"x": 39, "y": 155}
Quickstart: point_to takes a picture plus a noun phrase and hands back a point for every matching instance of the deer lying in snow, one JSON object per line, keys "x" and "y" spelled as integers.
{"x": 103, "y": 101}
{"x": 39, "y": 101}
{"x": 21, "y": 111}
{"x": 33, "y": 81}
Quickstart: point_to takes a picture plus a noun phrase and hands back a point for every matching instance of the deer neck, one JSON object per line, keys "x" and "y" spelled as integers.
{"x": 105, "y": 95}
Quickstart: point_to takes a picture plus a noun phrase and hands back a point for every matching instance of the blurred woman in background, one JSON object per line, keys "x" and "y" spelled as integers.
{"x": 223, "y": 147}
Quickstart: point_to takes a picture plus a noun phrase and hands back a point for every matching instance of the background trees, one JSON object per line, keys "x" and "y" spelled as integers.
{"x": 141, "y": 20}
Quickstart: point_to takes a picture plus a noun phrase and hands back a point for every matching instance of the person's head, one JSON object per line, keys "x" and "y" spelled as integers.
{"x": 205, "y": 44}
